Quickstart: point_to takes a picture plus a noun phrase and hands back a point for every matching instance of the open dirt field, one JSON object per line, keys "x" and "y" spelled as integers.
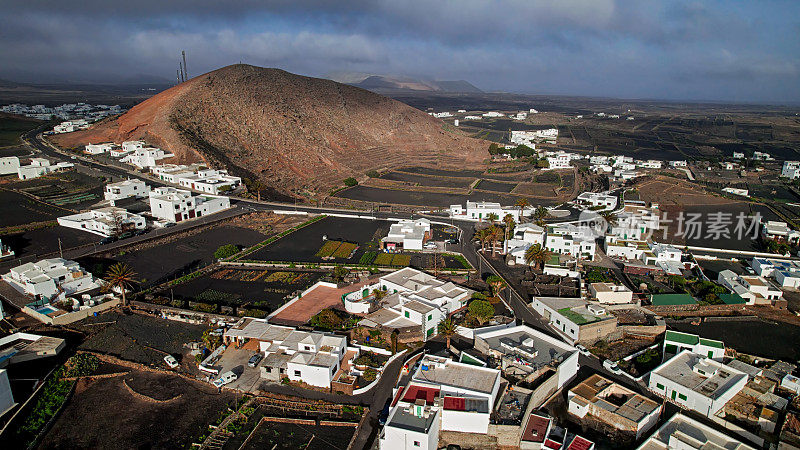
{"x": 141, "y": 409}
{"x": 671, "y": 191}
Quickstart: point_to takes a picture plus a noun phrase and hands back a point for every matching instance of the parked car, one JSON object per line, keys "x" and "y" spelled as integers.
{"x": 612, "y": 366}
{"x": 430, "y": 245}
{"x": 225, "y": 378}
{"x": 255, "y": 359}
{"x": 583, "y": 350}
{"x": 451, "y": 241}
{"x": 171, "y": 361}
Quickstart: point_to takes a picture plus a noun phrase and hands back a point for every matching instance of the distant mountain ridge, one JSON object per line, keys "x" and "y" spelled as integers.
{"x": 395, "y": 84}
{"x": 299, "y": 135}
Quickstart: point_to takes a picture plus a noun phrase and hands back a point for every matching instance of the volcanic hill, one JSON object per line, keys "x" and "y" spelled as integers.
{"x": 294, "y": 133}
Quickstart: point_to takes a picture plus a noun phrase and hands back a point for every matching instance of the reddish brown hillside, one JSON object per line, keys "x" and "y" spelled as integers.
{"x": 293, "y": 132}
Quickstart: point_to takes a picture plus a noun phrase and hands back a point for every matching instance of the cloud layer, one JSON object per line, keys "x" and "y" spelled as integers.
{"x": 742, "y": 51}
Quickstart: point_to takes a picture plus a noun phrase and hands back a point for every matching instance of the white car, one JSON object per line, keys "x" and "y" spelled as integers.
{"x": 583, "y": 350}
{"x": 225, "y": 378}
{"x": 430, "y": 245}
{"x": 612, "y": 366}
{"x": 171, "y": 361}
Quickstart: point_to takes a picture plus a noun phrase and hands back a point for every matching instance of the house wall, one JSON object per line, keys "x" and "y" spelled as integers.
{"x": 6, "y": 397}
{"x": 401, "y": 439}
{"x": 465, "y": 422}
{"x": 9, "y": 165}
{"x": 313, "y": 375}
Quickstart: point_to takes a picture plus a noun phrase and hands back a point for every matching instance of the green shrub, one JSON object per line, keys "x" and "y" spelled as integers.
{"x": 350, "y": 182}
{"x": 373, "y": 174}
{"x": 226, "y": 251}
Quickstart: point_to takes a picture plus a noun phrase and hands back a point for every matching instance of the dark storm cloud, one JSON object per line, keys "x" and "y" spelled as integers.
{"x": 698, "y": 50}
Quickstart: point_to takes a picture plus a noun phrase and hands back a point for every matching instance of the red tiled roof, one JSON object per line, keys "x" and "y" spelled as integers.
{"x": 552, "y": 444}
{"x": 580, "y": 443}
{"x": 455, "y": 403}
{"x": 536, "y": 429}
{"x": 414, "y": 393}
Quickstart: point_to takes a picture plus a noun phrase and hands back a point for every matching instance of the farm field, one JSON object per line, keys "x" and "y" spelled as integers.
{"x": 172, "y": 258}
{"x": 441, "y": 172}
{"x": 137, "y": 337}
{"x": 276, "y": 435}
{"x": 121, "y": 404}
{"x": 430, "y": 180}
{"x": 417, "y": 198}
{"x": 264, "y": 290}
{"x": 17, "y": 209}
{"x": 489, "y": 185}
{"x": 45, "y": 240}
{"x": 303, "y": 245}
{"x": 12, "y": 127}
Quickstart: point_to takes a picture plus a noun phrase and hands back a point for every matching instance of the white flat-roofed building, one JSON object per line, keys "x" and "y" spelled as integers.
{"x": 98, "y": 149}
{"x": 780, "y": 231}
{"x": 575, "y": 319}
{"x": 310, "y": 357}
{"x": 532, "y": 137}
{"x": 791, "y": 170}
{"x": 493, "y": 114}
{"x": 785, "y": 272}
{"x": 210, "y": 181}
{"x": 650, "y": 164}
{"x": 414, "y": 300}
{"x": 41, "y": 166}
{"x": 613, "y": 405}
{"x": 635, "y": 221}
{"x": 172, "y": 173}
{"x": 676, "y": 342}
{"x": 572, "y": 240}
{"x": 130, "y": 146}
{"x": 472, "y": 117}
{"x": 737, "y": 191}
{"x": 104, "y": 221}
{"x": 697, "y": 382}
{"x": 678, "y": 163}
{"x": 628, "y": 249}
{"x": 146, "y": 157}
{"x": 5, "y": 251}
{"x": 481, "y": 210}
{"x": 523, "y": 351}
{"x": 753, "y": 288}
{"x": 407, "y": 234}
{"x": 175, "y": 205}
{"x": 21, "y": 347}
{"x": 50, "y": 278}
{"x": 597, "y": 200}
{"x": 665, "y": 256}
{"x": 684, "y": 433}
{"x": 610, "y": 293}
{"x": 131, "y": 188}
{"x": 558, "y": 161}
{"x": 524, "y": 236}
{"x": 9, "y": 165}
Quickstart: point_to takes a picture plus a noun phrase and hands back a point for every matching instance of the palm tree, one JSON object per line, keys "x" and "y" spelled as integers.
{"x": 484, "y": 236}
{"x": 494, "y": 235}
{"x": 522, "y": 204}
{"x": 537, "y": 254}
{"x": 508, "y": 219}
{"x": 610, "y": 217}
{"x": 120, "y": 276}
{"x": 492, "y": 218}
{"x": 497, "y": 284}
{"x": 447, "y": 329}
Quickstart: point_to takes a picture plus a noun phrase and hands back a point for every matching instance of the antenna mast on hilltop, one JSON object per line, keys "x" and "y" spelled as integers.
{"x": 180, "y": 70}
{"x": 177, "y": 76}
{"x": 185, "y": 72}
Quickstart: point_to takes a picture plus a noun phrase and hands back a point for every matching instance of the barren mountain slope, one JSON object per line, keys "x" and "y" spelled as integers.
{"x": 293, "y": 132}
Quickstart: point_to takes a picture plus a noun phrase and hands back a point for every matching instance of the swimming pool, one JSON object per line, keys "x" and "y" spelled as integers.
{"x": 46, "y": 309}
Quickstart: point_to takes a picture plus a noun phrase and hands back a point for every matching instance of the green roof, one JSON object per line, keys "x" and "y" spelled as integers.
{"x": 576, "y": 318}
{"x": 683, "y": 338}
{"x": 672, "y": 299}
{"x": 712, "y": 343}
{"x": 732, "y": 299}
{"x": 553, "y": 260}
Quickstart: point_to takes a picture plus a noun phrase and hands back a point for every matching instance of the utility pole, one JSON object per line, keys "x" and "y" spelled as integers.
{"x": 60, "y": 252}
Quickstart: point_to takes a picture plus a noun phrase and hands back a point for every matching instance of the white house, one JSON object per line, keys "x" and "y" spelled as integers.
{"x": 414, "y": 300}
{"x": 676, "y": 342}
{"x": 762, "y": 156}
{"x": 737, "y": 191}
{"x": 753, "y": 288}
{"x": 575, "y": 319}
{"x": 572, "y": 240}
{"x": 524, "y": 236}
{"x": 738, "y": 155}
{"x": 531, "y": 137}
{"x": 684, "y": 433}
{"x": 407, "y": 234}
{"x": 697, "y": 382}
{"x": 780, "y": 231}
{"x": 791, "y": 169}
{"x": 98, "y": 149}
{"x": 610, "y": 293}
{"x": 627, "y": 249}
{"x": 493, "y": 114}
{"x": 145, "y": 157}
{"x": 635, "y": 221}
{"x": 665, "y": 256}
{"x": 210, "y": 181}
{"x": 104, "y": 221}
{"x": 523, "y": 351}
{"x": 131, "y": 188}
{"x": 443, "y": 395}
{"x": 595, "y": 200}
{"x": 41, "y": 166}
{"x": 479, "y": 211}
{"x": 310, "y": 357}
{"x": 559, "y": 160}
{"x": 5, "y": 251}
{"x": 678, "y": 163}
{"x": 52, "y": 277}
{"x": 9, "y": 165}
{"x": 650, "y": 164}
{"x": 175, "y": 205}
{"x": 172, "y": 173}
{"x": 786, "y": 273}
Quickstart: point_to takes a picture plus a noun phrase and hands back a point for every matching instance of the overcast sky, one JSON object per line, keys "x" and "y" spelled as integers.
{"x": 726, "y": 50}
